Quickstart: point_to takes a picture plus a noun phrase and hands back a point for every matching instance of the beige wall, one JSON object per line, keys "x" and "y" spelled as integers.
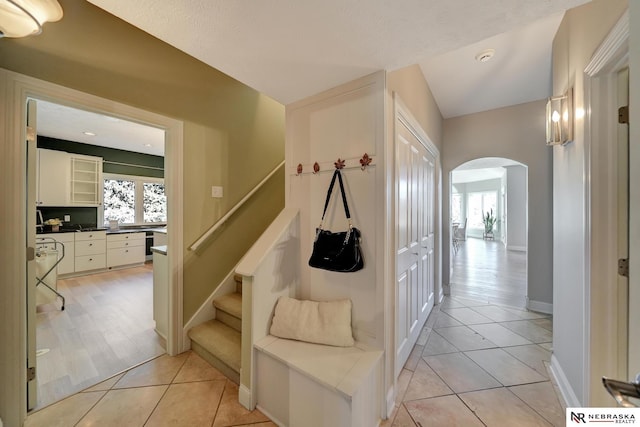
{"x": 412, "y": 87}
{"x": 233, "y": 135}
{"x": 517, "y": 133}
{"x": 580, "y": 33}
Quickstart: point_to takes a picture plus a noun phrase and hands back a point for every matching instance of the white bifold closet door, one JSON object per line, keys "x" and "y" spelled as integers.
{"x": 415, "y": 267}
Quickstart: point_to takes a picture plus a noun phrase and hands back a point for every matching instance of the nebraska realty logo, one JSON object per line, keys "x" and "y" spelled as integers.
{"x": 602, "y": 416}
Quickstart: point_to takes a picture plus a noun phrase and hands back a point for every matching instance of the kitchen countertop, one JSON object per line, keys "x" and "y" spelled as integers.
{"x": 161, "y": 229}
{"x": 162, "y": 249}
{"x": 136, "y": 230}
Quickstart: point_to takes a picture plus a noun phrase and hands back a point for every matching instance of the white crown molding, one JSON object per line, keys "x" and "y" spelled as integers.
{"x": 612, "y": 48}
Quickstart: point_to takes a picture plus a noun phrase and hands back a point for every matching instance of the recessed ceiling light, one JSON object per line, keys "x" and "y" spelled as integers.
{"x": 89, "y": 133}
{"x": 485, "y": 55}
{"x": 147, "y": 145}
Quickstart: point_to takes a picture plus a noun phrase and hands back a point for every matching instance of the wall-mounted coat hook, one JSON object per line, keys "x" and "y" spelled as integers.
{"x": 339, "y": 164}
{"x": 316, "y": 168}
{"x": 365, "y": 161}
{"x": 299, "y": 169}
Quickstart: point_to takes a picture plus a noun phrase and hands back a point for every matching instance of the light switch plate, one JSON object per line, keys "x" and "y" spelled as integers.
{"x": 67, "y": 218}
{"x": 216, "y": 192}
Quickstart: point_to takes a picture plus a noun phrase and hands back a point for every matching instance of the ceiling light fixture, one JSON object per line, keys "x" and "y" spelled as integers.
{"x": 485, "y": 55}
{"x": 21, "y": 18}
{"x": 89, "y": 133}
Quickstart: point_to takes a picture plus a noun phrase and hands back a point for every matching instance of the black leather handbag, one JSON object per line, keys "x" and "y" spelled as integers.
{"x": 337, "y": 251}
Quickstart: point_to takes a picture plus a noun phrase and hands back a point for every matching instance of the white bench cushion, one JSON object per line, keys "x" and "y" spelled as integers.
{"x": 312, "y": 321}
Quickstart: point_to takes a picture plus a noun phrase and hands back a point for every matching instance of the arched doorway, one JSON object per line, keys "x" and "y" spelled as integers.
{"x": 488, "y": 220}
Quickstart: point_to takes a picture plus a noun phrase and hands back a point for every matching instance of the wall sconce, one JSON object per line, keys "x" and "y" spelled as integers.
{"x": 21, "y": 18}
{"x": 560, "y": 119}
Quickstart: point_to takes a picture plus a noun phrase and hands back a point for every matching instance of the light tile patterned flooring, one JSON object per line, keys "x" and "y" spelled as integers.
{"x": 475, "y": 364}
{"x": 479, "y": 364}
{"x": 166, "y": 391}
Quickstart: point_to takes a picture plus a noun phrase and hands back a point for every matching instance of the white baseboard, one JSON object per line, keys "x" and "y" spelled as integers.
{"x": 566, "y": 390}
{"x": 271, "y": 417}
{"x": 391, "y": 402}
{"x": 539, "y": 306}
{"x": 244, "y": 397}
{"x": 206, "y": 311}
{"x": 517, "y": 248}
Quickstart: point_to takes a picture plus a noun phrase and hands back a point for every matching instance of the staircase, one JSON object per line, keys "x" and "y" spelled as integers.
{"x": 218, "y": 341}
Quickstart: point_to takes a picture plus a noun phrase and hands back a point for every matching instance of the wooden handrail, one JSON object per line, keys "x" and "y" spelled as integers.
{"x": 218, "y": 224}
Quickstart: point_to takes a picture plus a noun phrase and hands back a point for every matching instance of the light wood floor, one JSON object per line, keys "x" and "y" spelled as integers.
{"x": 106, "y": 328}
{"x": 485, "y": 270}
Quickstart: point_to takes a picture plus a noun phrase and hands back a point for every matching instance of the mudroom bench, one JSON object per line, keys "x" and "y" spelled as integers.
{"x": 315, "y": 385}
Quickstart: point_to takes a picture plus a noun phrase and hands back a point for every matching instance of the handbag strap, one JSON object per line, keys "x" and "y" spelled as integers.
{"x": 344, "y": 197}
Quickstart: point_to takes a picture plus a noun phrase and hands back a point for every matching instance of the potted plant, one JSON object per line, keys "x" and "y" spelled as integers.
{"x": 489, "y": 222}
{"x": 55, "y": 224}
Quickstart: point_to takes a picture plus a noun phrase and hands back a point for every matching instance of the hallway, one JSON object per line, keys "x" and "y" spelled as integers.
{"x": 469, "y": 356}
{"x": 478, "y": 364}
{"x": 484, "y": 270}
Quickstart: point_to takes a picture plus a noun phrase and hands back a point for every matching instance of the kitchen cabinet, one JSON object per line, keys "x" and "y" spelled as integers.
{"x": 67, "y": 264}
{"x": 90, "y": 250}
{"x": 126, "y": 249}
{"x": 53, "y": 178}
{"x": 65, "y": 179}
{"x": 86, "y": 180}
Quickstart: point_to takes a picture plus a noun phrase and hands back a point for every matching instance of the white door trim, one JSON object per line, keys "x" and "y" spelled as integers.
{"x": 18, "y": 89}
{"x": 602, "y": 339}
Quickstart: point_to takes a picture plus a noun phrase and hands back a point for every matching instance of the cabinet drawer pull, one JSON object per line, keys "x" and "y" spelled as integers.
{"x": 90, "y": 244}
{"x": 90, "y": 259}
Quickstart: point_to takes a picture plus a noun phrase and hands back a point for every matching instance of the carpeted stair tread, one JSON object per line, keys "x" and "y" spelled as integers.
{"x": 230, "y": 303}
{"x": 220, "y": 340}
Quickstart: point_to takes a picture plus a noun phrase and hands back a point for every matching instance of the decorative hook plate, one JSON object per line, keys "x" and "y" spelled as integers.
{"x": 299, "y": 169}
{"x": 339, "y": 164}
{"x": 316, "y": 167}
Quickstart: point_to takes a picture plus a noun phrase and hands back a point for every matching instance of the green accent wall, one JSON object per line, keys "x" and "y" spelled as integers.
{"x": 233, "y": 135}
{"x": 154, "y": 164}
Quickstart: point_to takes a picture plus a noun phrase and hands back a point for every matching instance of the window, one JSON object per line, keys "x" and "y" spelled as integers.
{"x": 134, "y": 200}
{"x": 456, "y": 208}
{"x": 120, "y": 201}
{"x": 155, "y": 202}
{"x": 478, "y": 204}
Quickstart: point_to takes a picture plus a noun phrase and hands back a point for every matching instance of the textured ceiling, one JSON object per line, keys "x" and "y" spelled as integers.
{"x": 293, "y": 49}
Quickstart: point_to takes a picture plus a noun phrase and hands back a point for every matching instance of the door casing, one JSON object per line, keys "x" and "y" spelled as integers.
{"x": 17, "y": 89}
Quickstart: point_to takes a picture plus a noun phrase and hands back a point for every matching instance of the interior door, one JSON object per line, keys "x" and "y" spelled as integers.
{"x": 427, "y": 232}
{"x": 31, "y": 148}
{"x": 629, "y": 357}
{"x": 415, "y": 239}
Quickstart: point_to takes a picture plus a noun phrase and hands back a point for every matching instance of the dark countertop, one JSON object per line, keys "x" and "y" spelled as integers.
{"x": 75, "y": 229}
{"x": 133, "y": 230}
{"x": 69, "y": 230}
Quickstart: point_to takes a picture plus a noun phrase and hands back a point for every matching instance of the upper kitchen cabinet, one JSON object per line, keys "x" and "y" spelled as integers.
{"x": 86, "y": 180}
{"x": 66, "y": 179}
{"x": 53, "y": 178}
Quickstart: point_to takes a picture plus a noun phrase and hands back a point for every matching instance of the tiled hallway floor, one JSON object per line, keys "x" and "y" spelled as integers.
{"x": 166, "y": 391}
{"x": 475, "y": 364}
